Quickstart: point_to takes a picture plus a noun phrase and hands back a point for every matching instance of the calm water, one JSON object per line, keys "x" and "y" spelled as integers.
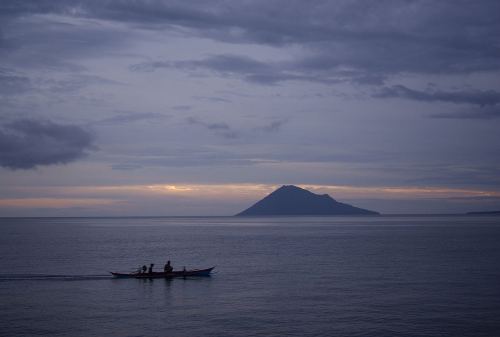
{"x": 344, "y": 276}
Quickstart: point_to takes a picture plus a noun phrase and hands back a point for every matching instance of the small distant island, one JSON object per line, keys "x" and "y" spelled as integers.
{"x": 293, "y": 200}
{"x": 484, "y": 213}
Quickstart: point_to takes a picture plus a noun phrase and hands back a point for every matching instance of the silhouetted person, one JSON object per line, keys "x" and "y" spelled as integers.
{"x": 144, "y": 269}
{"x": 150, "y": 270}
{"x": 168, "y": 268}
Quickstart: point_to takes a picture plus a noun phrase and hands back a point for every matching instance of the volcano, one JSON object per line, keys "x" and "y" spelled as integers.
{"x": 293, "y": 200}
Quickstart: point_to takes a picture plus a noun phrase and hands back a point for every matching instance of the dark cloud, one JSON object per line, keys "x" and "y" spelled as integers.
{"x": 488, "y": 101}
{"x": 210, "y": 126}
{"x": 224, "y": 130}
{"x": 383, "y": 37}
{"x": 477, "y": 97}
{"x": 212, "y": 99}
{"x": 29, "y": 41}
{"x": 448, "y": 37}
{"x": 12, "y": 83}
{"x": 250, "y": 70}
{"x": 9, "y": 8}
{"x": 274, "y": 126}
{"x": 131, "y": 117}
{"x": 25, "y": 144}
{"x": 220, "y": 129}
{"x": 126, "y": 167}
{"x": 227, "y": 64}
{"x": 351, "y": 40}
{"x": 73, "y": 82}
{"x": 224, "y": 65}
{"x": 150, "y": 66}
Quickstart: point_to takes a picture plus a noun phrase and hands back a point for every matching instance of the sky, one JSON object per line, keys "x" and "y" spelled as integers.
{"x": 120, "y": 108}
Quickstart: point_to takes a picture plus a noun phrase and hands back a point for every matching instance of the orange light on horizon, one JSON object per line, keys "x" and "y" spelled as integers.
{"x": 87, "y": 196}
{"x": 396, "y": 192}
{"x": 170, "y": 188}
{"x": 55, "y": 202}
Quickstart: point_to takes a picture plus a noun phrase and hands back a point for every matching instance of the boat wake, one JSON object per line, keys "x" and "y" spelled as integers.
{"x": 51, "y": 277}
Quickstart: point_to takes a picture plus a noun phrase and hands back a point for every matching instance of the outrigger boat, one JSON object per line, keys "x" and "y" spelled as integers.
{"x": 175, "y": 273}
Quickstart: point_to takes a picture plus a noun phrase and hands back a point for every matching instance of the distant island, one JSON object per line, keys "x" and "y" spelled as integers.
{"x": 484, "y": 213}
{"x": 293, "y": 200}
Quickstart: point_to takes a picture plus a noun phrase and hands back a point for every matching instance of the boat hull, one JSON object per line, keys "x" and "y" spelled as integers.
{"x": 173, "y": 274}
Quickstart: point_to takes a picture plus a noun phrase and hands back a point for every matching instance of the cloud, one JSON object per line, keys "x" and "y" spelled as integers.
{"x": 182, "y": 107}
{"x": 188, "y": 156}
{"x": 131, "y": 117}
{"x": 220, "y": 129}
{"x": 342, "y": 40}
{"x": 389, "y": 28}
{"x": 74, "y": 82}
{"x": 473, "y": 113}
{"x": 213, "y": 99}
{"x": 25, "y": 144}
{"x": 251, "y": 70}
{"x": 477, "y": 97}
{"x": 55, "y": 42}
{"x": 12, "y": 83}
{"x": 382, "y": 38}
{"x": 126, "y": 167}
{"x": 487, "y": 101}
{"x": 224, "y": 130}
{"x": 478, "y": 174}
{"x": 225, "y": 65}
{"x": 274, "y": 126}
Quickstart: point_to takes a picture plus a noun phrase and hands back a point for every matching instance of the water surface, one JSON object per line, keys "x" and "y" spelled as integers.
{"x": 331, "y": 276}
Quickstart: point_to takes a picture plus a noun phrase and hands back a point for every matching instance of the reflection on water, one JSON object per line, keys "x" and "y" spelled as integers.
{"x": 48, "y": 277}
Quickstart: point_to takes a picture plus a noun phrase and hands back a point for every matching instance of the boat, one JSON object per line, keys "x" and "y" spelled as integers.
{"x": 172, "y": 274}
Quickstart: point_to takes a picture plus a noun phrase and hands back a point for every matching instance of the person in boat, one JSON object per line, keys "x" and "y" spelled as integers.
{"x": 150, "y": 270}
{"x": 168, "y": 268}
{"x": 144, "y": 269}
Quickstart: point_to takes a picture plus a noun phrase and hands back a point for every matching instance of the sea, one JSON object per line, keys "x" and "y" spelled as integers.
{"x": 276, "y": 276}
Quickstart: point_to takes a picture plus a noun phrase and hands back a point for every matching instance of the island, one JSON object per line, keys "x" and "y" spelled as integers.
{"x": 484, "y": 213}
{"x": 290, "y": 200}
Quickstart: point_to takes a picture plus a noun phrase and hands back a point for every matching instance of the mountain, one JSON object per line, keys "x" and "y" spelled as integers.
{"x": 293, "y": 200}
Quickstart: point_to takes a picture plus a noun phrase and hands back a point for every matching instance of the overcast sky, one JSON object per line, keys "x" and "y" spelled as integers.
{"x": 204, "y": 107}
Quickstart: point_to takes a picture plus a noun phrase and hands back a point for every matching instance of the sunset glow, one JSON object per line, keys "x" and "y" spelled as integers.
{"x": 121, "y": 196}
